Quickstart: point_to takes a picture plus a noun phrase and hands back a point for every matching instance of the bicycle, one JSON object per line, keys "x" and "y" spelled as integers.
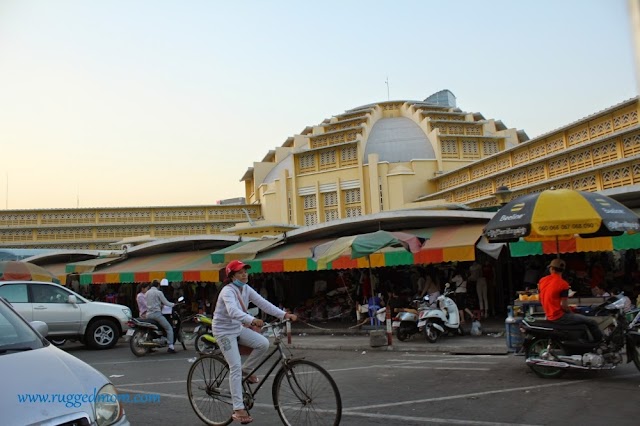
{"x": 303, "y": 392}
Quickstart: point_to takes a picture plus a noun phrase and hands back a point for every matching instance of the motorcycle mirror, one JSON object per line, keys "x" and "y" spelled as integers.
{"x": 181, "y": 299}
{"x": 426, "y": 298}
{"x": 447, "y": 285}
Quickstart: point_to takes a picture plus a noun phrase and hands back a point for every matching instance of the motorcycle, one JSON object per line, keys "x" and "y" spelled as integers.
{"x": 205, "y": 342}
{"x": 551, "y": 349}
{"x": 443, "y": 319}
{"x": 146, "y": 334}
{"x": 405, "y": 323}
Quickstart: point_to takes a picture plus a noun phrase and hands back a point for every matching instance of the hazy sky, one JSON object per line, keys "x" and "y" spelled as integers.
{"x": 163, "y": 103}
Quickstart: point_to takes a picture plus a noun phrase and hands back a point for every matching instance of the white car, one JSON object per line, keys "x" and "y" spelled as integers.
{"x": 67, "y": 314}
{"x": 44, "y": 385}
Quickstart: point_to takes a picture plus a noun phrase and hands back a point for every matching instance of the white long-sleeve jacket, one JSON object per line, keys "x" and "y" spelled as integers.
{"x": 229, "y": 316}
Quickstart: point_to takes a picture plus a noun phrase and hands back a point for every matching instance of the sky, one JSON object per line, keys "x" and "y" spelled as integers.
{"x": 164, "y": 103}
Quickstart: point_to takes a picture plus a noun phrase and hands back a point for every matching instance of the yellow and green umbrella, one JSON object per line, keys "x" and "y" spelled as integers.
{"x": 560, "y": 214}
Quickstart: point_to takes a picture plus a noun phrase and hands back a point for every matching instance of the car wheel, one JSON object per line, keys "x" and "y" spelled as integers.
{"x": 102, "y": 334}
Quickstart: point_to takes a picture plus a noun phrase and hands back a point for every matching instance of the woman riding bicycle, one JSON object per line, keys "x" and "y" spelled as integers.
{"x": 230, "y": 326}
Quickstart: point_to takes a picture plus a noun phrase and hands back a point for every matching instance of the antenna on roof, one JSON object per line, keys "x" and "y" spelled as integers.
{"x": 387, "y": 83}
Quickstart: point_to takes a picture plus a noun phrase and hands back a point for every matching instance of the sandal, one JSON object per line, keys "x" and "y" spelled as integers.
{"x": 252, "y": 379}
{"x": 242, "y": 418}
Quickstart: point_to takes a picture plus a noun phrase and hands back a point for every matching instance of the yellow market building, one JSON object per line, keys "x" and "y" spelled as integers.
{"x": 380, "y": 157}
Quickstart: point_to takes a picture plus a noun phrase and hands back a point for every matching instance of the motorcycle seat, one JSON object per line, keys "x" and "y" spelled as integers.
{"x": 554, "y": 325}
{"x": 145, "y": 322}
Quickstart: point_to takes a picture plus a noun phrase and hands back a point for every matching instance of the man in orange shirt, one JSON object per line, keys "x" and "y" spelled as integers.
{"x": 554, "y": 291}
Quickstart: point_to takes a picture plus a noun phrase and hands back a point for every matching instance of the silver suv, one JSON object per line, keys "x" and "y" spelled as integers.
{"x": 68, "y": 315}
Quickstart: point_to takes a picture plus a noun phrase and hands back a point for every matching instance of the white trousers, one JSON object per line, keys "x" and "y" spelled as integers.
{"x": 229, "y": 347}
{"x": 481, "y": 288}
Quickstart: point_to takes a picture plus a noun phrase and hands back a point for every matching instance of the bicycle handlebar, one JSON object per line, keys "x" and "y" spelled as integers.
{"x": 276, "y": 323}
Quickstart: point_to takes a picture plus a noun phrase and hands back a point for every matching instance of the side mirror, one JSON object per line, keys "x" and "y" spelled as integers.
{"x": 253, "y": 311}
{"x": 447, "y": 285}
{"x": 181, "y": 299}
{"x": 72, "y": 299}
{"x": 426, "y": 298}
{"x": 41, "y": 327}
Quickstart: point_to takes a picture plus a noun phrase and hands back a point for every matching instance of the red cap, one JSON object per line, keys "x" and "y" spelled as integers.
{"x": 235, "y": 266}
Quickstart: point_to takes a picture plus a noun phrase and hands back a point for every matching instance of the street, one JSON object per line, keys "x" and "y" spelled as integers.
{"x": 388, "y": 387}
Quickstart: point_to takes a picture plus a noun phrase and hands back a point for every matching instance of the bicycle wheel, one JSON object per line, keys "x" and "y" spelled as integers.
{"x": 208, "y": 390}
{"x": 305, "y": 394}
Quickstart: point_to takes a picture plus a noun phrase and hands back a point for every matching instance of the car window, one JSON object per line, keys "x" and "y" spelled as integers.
{"x": 15, "y": 334}
{"x": 42, "y": 293}
{"x": 14, "y": 293}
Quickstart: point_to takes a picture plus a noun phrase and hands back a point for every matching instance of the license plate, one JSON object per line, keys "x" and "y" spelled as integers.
{"x": 421, "y": 323}
{"x": 130, "y": 332}
{"x": 396, "y": 324}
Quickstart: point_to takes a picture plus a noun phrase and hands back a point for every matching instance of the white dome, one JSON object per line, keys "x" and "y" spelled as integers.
{"x": 398, "y": 140}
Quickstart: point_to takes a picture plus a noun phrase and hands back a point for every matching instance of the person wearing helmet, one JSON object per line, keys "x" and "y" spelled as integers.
{"x": 230, "y": 326}
{"x": 554, "y": 291}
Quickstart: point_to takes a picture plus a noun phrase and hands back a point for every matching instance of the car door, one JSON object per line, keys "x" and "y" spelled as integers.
{"x": 17, "y": 295}
{"x": 50, "y": 304}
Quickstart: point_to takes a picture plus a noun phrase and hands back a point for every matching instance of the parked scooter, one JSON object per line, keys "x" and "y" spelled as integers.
{"x": 147, "y": 334}
{"x": 406, "y": 323}
{"x": 205, "y": 342}
{"x": 551, "y": 349}
{"x": 443, "y": 319}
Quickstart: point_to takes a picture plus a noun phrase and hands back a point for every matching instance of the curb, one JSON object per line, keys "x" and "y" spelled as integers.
{"x": 452, "y": 350}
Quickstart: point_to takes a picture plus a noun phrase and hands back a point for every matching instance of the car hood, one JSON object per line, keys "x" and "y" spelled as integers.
{"x": 46, "y": 372}
{"x": 110, "y": 306}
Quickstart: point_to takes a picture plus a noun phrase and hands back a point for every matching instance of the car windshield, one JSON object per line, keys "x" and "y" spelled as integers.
{"x": 15, "y": 333}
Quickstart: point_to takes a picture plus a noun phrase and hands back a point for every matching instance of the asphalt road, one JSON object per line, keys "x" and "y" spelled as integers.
{"x": 386, "y": 388}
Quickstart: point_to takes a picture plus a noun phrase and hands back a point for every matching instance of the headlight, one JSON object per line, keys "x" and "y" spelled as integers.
{"x": 108, "y": 408}
{"x": 127, "y": 312}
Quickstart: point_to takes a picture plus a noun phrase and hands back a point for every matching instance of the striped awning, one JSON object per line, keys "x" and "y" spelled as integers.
{"x": 182, "y": 266}
{"x": 57, "y": 269}
{"x": 91, "y": 264}
{"x": 444, "y": 244}
{"x": 574, "y": 245}
{"x": 244, "y": 250}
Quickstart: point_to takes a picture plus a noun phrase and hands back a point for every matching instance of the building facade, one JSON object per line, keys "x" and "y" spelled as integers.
{"x": 100, "y": 228}
{"x": 380, "y": 157}
{"x": 374, "y": 158}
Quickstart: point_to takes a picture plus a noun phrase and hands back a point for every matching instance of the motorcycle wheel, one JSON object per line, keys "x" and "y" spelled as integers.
{"x": 635, "y": 351}
{"x": 182, "y": 337}
{"x": 538, "y": 349}
{"x": 402, "y": 334}
{"x": 431, "y": 333}
{"x": 134, "y": 343}
{"x": 203, "y": 346}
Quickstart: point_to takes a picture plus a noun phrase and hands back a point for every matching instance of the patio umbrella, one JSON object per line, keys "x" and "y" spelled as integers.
{"x": 364, "y": 245}
{"x": 11, "y": 270}
{"x": 559, "y": 214}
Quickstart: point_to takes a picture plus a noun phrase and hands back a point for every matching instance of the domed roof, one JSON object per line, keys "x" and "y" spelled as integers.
{"x": 398, "y": 140}
{"x": 285, "y": 164}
